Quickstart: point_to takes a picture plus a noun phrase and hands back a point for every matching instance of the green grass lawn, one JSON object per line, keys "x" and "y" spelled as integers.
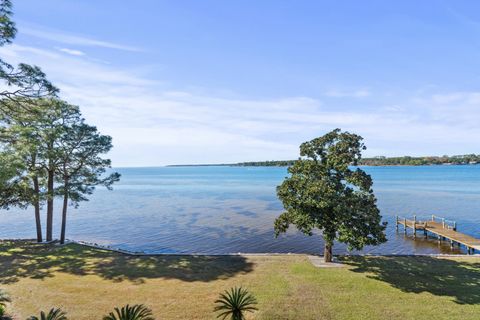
{"x": 88, "y": 283}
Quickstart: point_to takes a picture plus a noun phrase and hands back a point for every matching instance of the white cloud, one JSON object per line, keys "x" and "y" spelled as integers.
{"x": 447, "y": 98}
{"x": 72, "y": 52}
{"x": 153, "y": 126}
{"x": 359, "y": 93}
{"x": 394, "y": 108}
{"x": 60, "y": 37}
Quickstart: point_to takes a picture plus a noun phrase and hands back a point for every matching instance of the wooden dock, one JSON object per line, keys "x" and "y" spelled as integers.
{"x": 443, "y": 229}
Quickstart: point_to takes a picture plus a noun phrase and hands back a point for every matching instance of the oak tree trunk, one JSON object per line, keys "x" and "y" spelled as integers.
{"x": 328, "y": 252}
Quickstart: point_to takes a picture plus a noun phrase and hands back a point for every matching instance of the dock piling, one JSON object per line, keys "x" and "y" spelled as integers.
{"x": 414, "y": 227}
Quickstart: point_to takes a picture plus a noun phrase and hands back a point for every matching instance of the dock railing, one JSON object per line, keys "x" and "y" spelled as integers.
{"x": 441, "y": 228}
{"x": 415, "y": 222}
{"x": 423, "y": 221}
{"x": 446, "y": 224}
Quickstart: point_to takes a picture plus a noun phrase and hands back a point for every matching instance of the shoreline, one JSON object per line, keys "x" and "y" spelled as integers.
{"x": 260, "y": 254}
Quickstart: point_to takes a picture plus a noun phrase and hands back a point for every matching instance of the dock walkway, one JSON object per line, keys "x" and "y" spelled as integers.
{"x": 443, "y": 229}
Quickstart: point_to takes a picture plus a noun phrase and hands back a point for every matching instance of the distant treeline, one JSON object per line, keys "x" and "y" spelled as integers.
{"x": 421, "y": 161}
{"x": 273, "y": 163}
{"x": 384, "y": 161}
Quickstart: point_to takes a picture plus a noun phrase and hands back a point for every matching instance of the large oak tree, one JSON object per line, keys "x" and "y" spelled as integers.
{"x": 324, "y": 191}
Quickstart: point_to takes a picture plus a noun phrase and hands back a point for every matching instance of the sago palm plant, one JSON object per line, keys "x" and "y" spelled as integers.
{"x": 235, "y": 303}
{"x": 135, "y": 312}
{"x": 4, "y": 298}
{"x": 53, "y": 314}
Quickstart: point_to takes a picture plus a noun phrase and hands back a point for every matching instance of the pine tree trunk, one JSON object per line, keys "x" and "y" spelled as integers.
{"x": 50, "y": 205}
{"x": 38, "y": 223}
{"x": 64, "y": 214}
{"x": 328, "y": 252}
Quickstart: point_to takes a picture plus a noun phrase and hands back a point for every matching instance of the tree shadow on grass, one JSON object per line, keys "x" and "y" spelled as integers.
{"x": 22, "y": 259}
{"x": 416, "y": 274}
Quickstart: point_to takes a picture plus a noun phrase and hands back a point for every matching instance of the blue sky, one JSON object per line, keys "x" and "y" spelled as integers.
{"x": 227, "y": 81}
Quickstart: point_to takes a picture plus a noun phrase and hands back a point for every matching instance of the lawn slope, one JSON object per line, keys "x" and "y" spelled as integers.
{"x": 88, "y": 283}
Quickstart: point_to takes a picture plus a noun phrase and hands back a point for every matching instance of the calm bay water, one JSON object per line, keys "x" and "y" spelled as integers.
{"x": 219, "y": 210}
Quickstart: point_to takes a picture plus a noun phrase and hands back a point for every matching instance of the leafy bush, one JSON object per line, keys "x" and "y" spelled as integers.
{"x": 135, "y": 312}
{"x": 235, "y": 303}
{"x": 53, "y": 314}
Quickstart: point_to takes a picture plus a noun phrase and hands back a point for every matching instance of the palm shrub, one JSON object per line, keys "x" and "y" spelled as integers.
{"x": 235, "y": 303}
{"x": 2, "y": 311}
{"x": 135, "y": 312}
{"x": 53, "y": 314}
{"x": 4, "y": 298}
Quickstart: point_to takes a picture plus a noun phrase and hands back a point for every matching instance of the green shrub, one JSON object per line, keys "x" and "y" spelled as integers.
{"x": 235, "y": 303}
